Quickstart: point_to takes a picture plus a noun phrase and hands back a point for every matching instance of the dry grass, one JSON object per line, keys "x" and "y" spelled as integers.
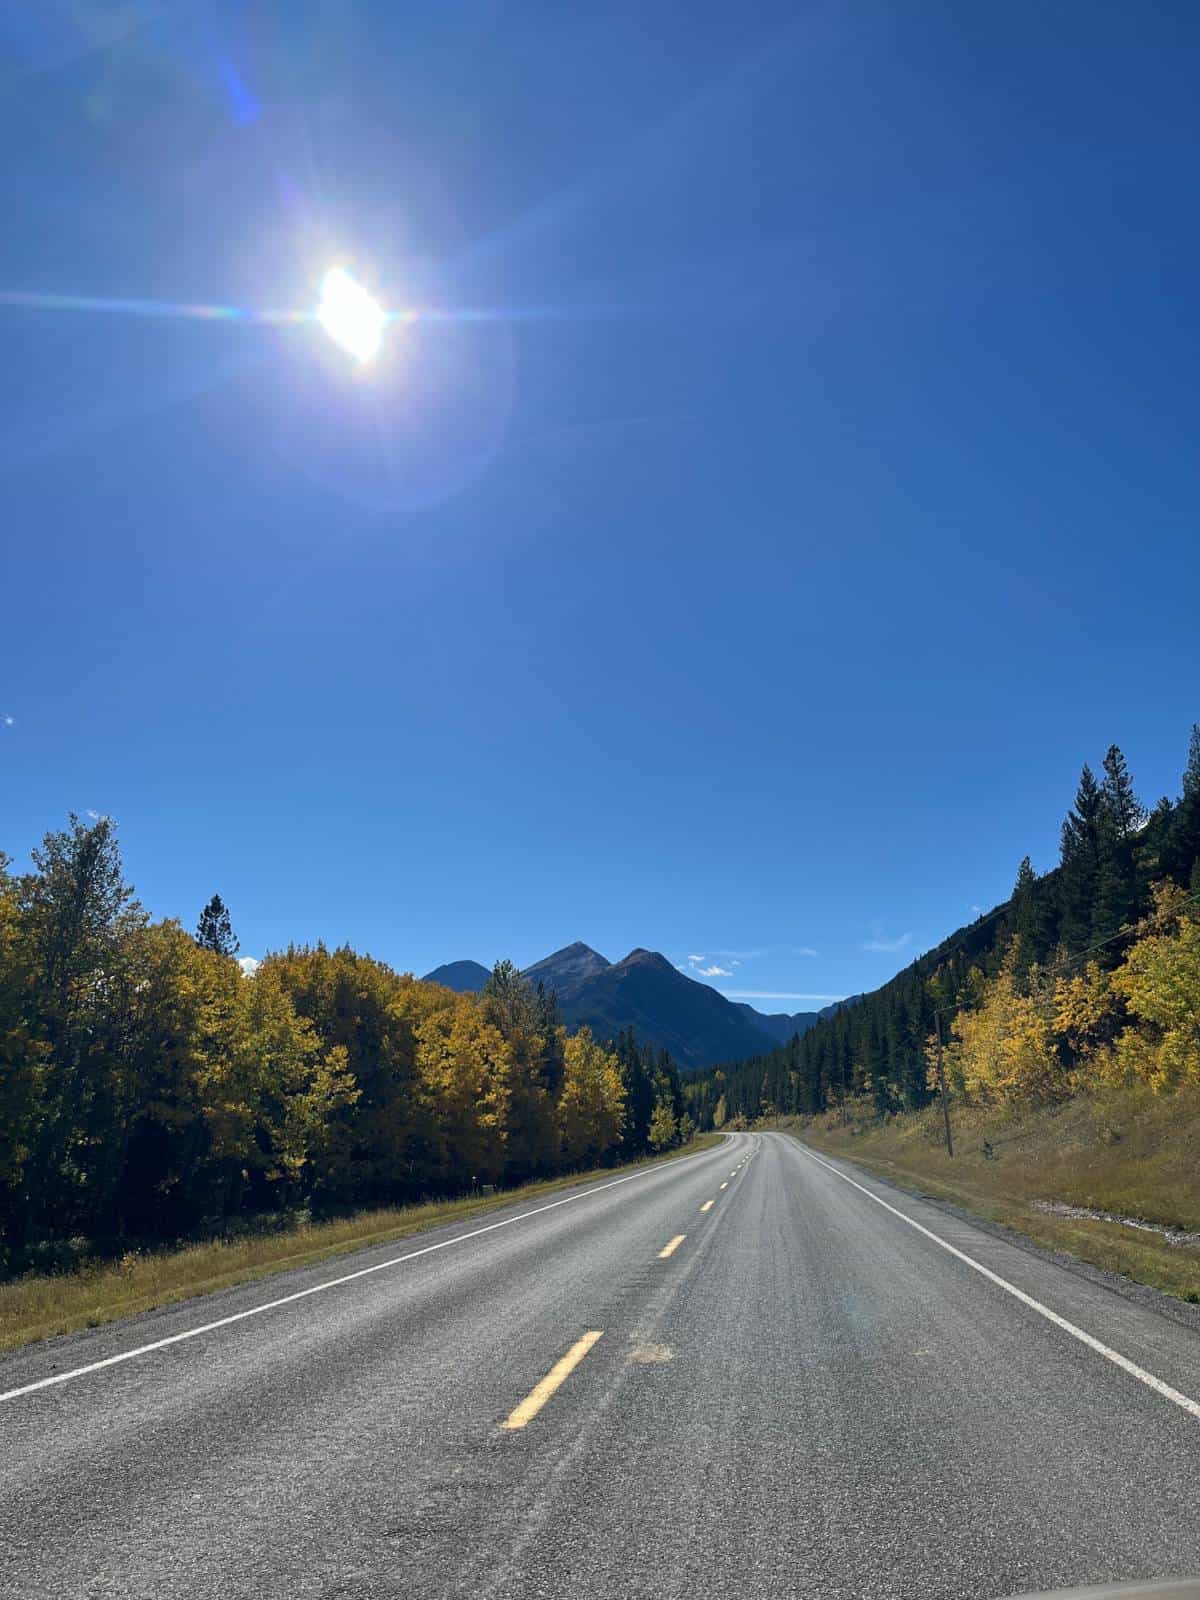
{"x": 1126, "y": 1151}
{"x": 41, "y": 1305}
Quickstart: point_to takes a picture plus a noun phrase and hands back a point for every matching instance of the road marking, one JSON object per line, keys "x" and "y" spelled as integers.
{"x": 554, "y": 1379}
{"x": 725, "y": 1185}
{"x": 707, "y": 1206}
{"x": 670, "y": 1249}
{"x": 1115, "y": 1356}
{"x": 318, "y": 1288}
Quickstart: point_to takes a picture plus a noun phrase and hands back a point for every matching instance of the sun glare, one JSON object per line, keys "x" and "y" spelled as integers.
{"x": 350, "y": 316}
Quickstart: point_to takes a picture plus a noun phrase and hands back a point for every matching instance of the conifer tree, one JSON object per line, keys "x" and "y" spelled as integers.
{"x": 1080, "y": 863}
{"x": 1117, "y": 894}
{"x": 214, "y": 931}
{"x": 1181, "y": 850}
{"x": 1030, "y": 916}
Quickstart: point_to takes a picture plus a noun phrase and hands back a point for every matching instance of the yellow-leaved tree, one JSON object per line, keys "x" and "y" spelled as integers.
{"x": 591, "y": 1107}
{"x": 1087, "y": 1016}
{"x": 1160, "y": 983}
{"x": 1004, "y": 1048}
{"x": 465, "y": 1064}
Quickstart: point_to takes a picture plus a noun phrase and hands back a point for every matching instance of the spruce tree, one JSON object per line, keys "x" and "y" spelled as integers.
{"x": 1118, "y": 892}
{"x": 1181, "y": 850}
{"x": 1080, "y": 863}
{"x": 1121, "y": 805}
{"x": 1191, "y": 773}
{"x": 214, "y": 931}
{"x": 1030, "y": 919}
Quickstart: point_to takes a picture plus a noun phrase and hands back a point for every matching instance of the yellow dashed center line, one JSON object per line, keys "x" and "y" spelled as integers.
{"x": 670, "y": 1249}
{"x": 554, "y": 1379}
{"x": 707, "y": 1206}
{"x": 725, "y": 1185}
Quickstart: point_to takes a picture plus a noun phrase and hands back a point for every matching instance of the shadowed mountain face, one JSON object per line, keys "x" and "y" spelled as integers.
{"x": 567, "y": 971}
{"x": 781, "y": 1025}
{"x": 464, "y": 977}
{"x": 664, "y": 1007}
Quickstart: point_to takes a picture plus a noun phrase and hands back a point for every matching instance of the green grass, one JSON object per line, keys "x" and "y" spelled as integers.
{"x": 1122, "y": 1150}
{"x": 39, "y": 1306}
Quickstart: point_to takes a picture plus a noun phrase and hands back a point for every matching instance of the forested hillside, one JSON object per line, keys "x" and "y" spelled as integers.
{"x": 1090, "y": 969}
{"x": 150, "y": 1089}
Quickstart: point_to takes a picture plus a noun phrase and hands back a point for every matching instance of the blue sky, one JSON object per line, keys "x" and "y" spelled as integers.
{"x": 798, "y": 482}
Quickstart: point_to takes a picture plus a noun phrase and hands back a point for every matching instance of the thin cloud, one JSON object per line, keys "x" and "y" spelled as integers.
{"x": 775, "y": 994}
{"x": 714, "y": 972}
{"x": 807, "y": 950}
{"x": 95, "y": 815}
{"x": 249, "y": 965}
{"x": 695, "y": 960}
{"x": 7, "y": 720}
{"x": 879, "y": 941}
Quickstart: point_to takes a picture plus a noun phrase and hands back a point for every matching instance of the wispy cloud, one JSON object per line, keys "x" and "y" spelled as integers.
{"x": 807, "y": 950}
{"x": 879, "y": 941}
{"x": 7, "y": 720}
{"x": 715, "y": 971}
{"x": 695, "y": 960}
{"x": 95, "y": 815}
{"x": 775, "y": 994}
{"x": 976, "y": 911}
{"x": 248, "y": 964}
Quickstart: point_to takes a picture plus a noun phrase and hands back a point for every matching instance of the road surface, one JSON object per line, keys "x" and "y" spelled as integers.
{"x": 808, "y": 1395}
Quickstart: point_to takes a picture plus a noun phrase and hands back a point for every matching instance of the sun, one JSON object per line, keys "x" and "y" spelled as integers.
{"x": 350, "y": 316}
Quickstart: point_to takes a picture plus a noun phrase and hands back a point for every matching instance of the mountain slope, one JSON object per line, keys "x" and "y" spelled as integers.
{"x": 567, "y": 970}
{"x": 664, "y": 1008}
{"x": 464, "y": 977}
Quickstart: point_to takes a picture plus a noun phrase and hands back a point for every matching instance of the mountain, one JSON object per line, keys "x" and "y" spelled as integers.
{"x": 781, "y": 1025}
{"x": 464, "y": 977}
{"x": 664, "y": 1008}
{"x": 839, "y": 1005}
{"x": 567, "y": 970}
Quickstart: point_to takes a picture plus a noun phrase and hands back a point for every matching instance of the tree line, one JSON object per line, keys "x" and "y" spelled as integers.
{"x": 1091, "y": 969}
{"x": 150, "y": 1089}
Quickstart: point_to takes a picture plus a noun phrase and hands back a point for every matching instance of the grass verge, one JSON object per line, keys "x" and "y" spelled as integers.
{"x": 39, "y": 1306}
{"x": 1126, "y": 1151}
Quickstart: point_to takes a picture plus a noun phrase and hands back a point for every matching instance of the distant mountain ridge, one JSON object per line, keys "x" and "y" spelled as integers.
{"x": 781, "y": 1025}
{"x": 464, "y": 977}
{"x": 646, "y": 992}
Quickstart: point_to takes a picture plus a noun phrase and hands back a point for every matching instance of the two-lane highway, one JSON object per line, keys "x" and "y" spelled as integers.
{"x": 752, "y": 1371}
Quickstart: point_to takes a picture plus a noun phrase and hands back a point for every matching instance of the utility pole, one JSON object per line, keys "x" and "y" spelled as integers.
{"x": 942, "y": 1085}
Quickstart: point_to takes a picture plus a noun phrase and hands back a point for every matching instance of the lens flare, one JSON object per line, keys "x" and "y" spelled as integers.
{"x": 350, "y": 316}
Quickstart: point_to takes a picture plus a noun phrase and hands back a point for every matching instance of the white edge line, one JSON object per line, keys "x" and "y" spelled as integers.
{"x": 318, "y": 1288}
{"x": 1115, "y": 1356}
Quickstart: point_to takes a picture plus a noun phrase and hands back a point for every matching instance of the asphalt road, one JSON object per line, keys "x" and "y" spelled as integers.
{"x": 807, "y": 1396}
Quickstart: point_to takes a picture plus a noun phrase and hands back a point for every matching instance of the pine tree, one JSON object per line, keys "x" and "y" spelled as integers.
{"x": 1030, "y": 919}
{"x": 1191, "y": 773}
{"x": 1181, "y": 850}
{"x": 214, "y": 931}
{"x": 1121, "y": 805}
{"x": 1118, "y": 893}
{"x": 1080, "y": 863}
